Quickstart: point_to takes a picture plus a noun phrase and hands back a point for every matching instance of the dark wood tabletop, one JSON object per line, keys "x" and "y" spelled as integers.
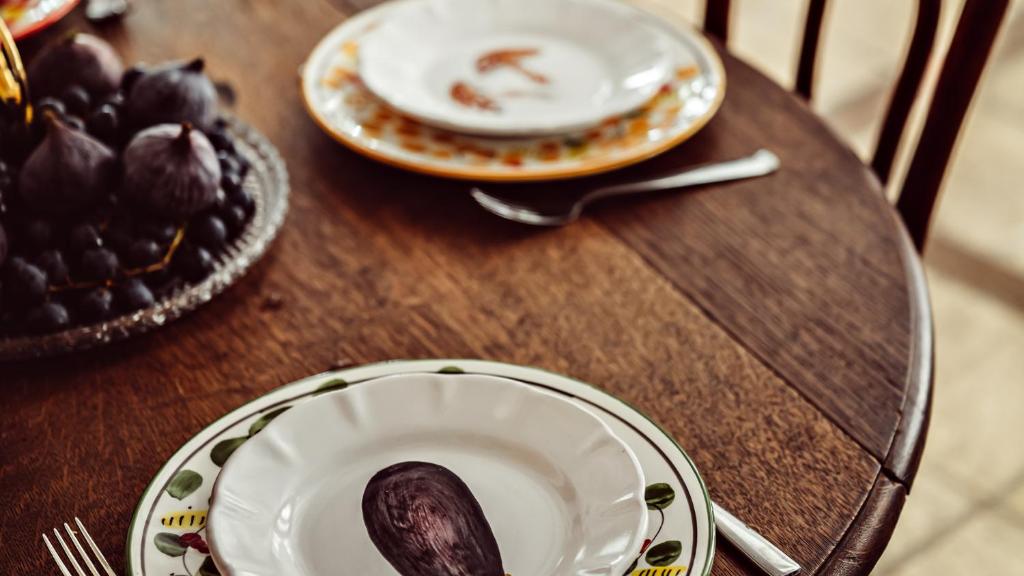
{"x": 777, "y": 326}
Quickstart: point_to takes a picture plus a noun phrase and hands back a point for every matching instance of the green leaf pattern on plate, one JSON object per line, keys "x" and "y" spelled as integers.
{"x": 225, "y": 448}
{"x": 169, "y": 544}
{"x": 184, "y": 483}
{"x": 659, "y": 496}
{"x": 262, "y": 422}
{"x": 330, "y": 386}
{"x": 665, "y": 553}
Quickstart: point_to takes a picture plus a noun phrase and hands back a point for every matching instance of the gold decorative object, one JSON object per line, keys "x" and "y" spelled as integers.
{"x": 13, "y": 80}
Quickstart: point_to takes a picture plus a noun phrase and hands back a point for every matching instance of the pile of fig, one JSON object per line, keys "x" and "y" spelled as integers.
{"x": 125, "y": 186}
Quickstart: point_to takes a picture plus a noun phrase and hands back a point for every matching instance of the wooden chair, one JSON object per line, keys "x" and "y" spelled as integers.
{"x": 972, "y": 42}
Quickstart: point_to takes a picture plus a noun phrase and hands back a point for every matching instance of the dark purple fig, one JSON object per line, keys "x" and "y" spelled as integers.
{"x": 80, "y": 59}
{"x": 171, "y": 171}
{"x": 425, "y": 522}
{"x": 67, "y": 172}
{"x": 172, "y": 94}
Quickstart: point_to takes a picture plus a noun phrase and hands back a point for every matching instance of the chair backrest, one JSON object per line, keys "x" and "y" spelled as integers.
{"x": 964, "y": 61}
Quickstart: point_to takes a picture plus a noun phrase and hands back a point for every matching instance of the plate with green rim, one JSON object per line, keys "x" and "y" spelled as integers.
{"x": 167, "y": 536}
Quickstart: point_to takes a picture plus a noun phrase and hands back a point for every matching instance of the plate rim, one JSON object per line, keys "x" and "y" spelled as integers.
{"x": 434, "y": 364}
{"x": 438, "y": 118}
{"x": 534, "y": 174}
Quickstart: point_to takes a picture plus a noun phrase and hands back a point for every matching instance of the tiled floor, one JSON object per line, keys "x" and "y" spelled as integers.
{"x": 966, "y": 513}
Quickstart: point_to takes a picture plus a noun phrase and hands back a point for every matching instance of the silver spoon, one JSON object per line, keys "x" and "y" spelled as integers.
{"x": 759, "y": 163}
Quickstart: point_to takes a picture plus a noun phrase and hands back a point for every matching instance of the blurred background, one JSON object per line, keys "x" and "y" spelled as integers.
{"x": 965, "y": 514}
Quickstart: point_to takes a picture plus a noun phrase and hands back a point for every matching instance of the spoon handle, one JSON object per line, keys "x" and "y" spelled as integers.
{"x": 756, "y": 547}
{"x": 757, "y": 164}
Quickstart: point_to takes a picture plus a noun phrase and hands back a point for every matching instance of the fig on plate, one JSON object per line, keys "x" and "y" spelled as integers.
{"x": 171, "y": 171}
{"x": 77, "y": 60}
{"x": 67, "y": 172}
{"x": 425, "y": 521}
{"x": 175, "y": 93}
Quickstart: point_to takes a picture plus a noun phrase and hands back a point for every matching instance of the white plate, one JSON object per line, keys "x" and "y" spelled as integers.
{"x": 516, "y": 67}
{"x": 338, "y": 100}
{"x": 168, "y": 528}
{"x": 560, "y": 493}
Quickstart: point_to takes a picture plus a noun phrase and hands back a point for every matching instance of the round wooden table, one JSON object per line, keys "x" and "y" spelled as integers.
{"x": 778, "y": 327}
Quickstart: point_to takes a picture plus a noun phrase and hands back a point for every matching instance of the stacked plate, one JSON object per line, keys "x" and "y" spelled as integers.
{"x": 511, "y": 89}
{"x": 427, "y": 468}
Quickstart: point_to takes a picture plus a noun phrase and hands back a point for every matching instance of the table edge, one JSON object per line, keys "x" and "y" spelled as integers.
{"x": 904, "y": 456}
{"x": 868, "y": 535}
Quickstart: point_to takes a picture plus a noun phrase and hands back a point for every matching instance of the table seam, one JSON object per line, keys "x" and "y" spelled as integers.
{"x": 710, "y": 315}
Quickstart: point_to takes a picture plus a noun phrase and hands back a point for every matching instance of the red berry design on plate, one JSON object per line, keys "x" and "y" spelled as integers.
{"x": 194, "y": 540}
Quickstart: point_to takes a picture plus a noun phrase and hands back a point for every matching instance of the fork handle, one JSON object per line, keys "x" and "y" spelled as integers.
{"x": 757, "y": 164}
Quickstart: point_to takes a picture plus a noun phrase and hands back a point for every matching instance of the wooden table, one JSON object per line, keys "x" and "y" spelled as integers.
{"x": 778, "y": 327}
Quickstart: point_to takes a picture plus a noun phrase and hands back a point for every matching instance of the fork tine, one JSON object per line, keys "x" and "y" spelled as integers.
{"x": 95, "y": 549}
{"x": 56, "y": 557}
{"x": 81, "y": 551}
{"x": 71, "y": 557}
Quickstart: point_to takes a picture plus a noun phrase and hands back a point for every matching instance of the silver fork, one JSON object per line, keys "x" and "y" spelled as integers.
{"x": 759, "y": 163}
{"x": 107, "y": 570}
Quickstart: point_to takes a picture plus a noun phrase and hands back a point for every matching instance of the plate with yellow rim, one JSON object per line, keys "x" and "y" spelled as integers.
{"x": 168, "y": 535}
{"x": 341, "y": 104}
{"x": 26, "y": 17}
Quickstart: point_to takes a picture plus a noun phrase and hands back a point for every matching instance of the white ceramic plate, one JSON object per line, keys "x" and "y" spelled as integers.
{"x": 168, "y": 528}
{"x": 337, "y": 98}
{"x": 560, "y": 493}
{"x": 515, "y": 67}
